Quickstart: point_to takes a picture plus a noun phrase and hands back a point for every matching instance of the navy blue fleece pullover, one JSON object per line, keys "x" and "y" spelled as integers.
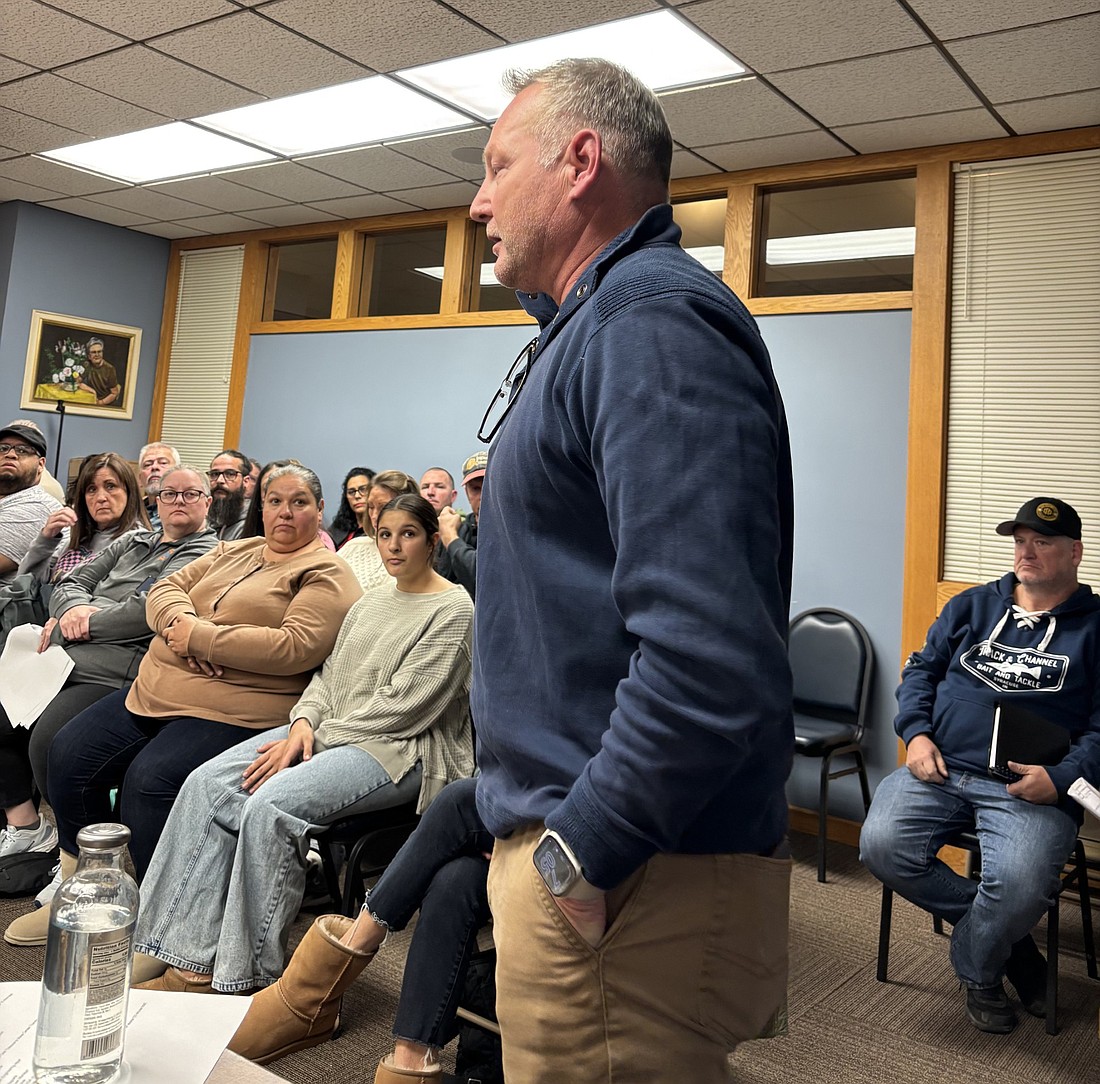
{"x": 631, "y": 683}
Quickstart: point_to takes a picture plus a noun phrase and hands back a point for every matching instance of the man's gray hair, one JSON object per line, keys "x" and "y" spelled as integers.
{"x": 204, "y": 482}
{"x": 175, "y": 456}
{"x": 594, "y": 93}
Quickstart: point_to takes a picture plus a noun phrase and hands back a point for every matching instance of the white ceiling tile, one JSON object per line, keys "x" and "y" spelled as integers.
{"x": 159, "y": 83}
{"x": 686, "y": 164}
{"x": 1052, "y": 114}
{"x": 458, "y": 153}
{"x": 775, "y": 151}
{"x": 747, "y": 109}
{"x": 294, "y": 182}
{"x": 891, "y": 135}
{"x": 222, "y": 223}
{"x": 291, "y": 214}
{"x": 52, "y": 98}
{"x": 384, "y": 34}
{"x": 141, "y": 19}
{"x": 520, "y": 20}
{"x": 86, "y": 208}
{"x": 1055, "y": 58}
{"x": 32, "y": 193}
{"x": 168, "y": 229}
{"x": 435, "y": 197}
{"x": 13, "y": 69}
{"x": 877, "y": 87}
{"x": 219, "y": 193}
{"x": 793, "y": 34}
{"x": 950, "y": 19}
{"x": 362, "y": 206}
{"x": 31, "y": 134}
{"x": 379, "y": 169}
{"x": 152, "y": 203}
{"x": 258, "y": 54}
{"x": 44, "y": 37}
{"x": 58, "y": 178}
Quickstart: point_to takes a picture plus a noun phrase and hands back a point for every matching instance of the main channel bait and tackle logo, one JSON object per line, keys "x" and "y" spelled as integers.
{"x": 1047, "y": 512}
{"x": 1016, "y": 669}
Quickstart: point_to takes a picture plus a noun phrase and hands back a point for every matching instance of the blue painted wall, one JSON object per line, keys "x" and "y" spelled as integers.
{"x": 63, "y": 263}
{"x": 411, "y": 399}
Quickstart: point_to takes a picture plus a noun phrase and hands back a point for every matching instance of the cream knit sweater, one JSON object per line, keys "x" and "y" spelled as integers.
{"x": 397, "y": 685}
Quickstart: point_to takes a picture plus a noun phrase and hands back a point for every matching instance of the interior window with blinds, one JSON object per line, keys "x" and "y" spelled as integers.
{"x": 1024, "y": 402}
{"x": 201, "y": 358}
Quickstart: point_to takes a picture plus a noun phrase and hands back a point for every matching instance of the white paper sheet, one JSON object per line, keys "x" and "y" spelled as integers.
{"x": 170, "y": 1038}
{"x": 29, "y": 681}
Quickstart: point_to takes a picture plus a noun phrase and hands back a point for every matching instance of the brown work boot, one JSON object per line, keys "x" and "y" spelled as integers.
{"x": 303, "y": 1007}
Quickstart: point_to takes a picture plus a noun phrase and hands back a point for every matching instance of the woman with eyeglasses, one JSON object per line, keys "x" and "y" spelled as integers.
{"x": 106, "y": 503}
{"x": 385, "y": 722}
{"x": 238, "y": 634}
{"x": 346, "y": 524}
{"x": 97, "y": 614}
{"x": 361, "y": 553}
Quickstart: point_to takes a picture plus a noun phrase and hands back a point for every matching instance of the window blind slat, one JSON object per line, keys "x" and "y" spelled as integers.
{"x": 1024, "y": 388}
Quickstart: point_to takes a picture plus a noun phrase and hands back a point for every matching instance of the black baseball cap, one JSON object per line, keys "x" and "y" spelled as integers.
{"x": 1047, "y": 515}
{"x": 27, "y": 432}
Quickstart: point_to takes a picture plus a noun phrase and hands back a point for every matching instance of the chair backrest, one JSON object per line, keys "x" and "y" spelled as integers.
{"x": 832, "y": 662}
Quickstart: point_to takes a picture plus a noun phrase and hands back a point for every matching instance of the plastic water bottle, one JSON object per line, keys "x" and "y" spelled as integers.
{"x": 89, "y": 955}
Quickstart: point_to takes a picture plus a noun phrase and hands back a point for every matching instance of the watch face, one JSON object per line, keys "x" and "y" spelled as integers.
{"x": 554, "y": 866}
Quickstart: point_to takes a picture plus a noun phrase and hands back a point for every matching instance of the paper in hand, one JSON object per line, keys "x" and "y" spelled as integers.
{"x": 28, "y": 680}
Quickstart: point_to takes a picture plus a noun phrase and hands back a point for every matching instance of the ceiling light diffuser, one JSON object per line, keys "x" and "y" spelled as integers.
{"x": 348, "y": 115}
{"x": 158, "y": 154}
{"x": 659, "y": 48}
{"x": 837, "y": 247}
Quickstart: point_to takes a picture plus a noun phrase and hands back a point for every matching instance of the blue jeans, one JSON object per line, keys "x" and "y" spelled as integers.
{"x": 108, "y": 746}
{"x": 1023, "y": 848}
{"x": 230, "y": 872}
{"x": 441, "y": 870}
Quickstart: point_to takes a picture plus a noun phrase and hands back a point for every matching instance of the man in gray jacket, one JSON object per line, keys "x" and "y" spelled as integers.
{"x": 97, "y": 613}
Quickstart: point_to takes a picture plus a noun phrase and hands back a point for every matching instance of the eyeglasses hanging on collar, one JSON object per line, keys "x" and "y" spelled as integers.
{"x": 503, "y": 401}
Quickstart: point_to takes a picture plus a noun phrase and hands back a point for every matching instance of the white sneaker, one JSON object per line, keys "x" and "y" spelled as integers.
{"x": 45, "y": 897}
{"x": 42, "y": 839}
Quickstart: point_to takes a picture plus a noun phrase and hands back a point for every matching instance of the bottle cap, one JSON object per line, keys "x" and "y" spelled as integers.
{"x": 103, "y": 837}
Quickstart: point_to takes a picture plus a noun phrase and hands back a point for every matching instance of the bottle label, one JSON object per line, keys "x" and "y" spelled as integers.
{"x": 106, "y": 1005}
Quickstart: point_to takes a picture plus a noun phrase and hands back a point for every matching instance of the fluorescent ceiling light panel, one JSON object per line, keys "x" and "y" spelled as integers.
{"x": 158, "y": 154}
{"x": 833, "y": 247}
{"x": 659, "y": 48}
{"x": 348, "y": 115}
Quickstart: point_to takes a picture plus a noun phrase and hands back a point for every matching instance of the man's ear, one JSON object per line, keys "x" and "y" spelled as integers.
{"x": 583, "y": 158}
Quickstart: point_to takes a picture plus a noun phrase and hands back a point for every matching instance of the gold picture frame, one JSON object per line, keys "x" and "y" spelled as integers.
{"x": 89, "y": 365}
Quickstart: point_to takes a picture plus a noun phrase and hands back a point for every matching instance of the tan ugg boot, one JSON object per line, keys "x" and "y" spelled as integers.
{"x": 31, "y": 929}
{"x": 302, "y": 1008}
{"x": 387, "y": 1073}
{"x": 174, "y": 981}
{"x": 146, "y": 968}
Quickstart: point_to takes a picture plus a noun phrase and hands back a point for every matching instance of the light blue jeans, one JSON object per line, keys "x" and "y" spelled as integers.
{"x": 1023, "y": 850}
{"x": 228, "y": 875}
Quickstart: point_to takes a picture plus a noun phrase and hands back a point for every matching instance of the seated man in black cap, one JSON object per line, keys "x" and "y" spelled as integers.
{"x": 24, "y": 504}
{"x": 1030, "y": 639}
{"x": 457, "y": 559}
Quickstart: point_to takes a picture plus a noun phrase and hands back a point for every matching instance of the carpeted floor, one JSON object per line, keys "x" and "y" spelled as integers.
{"x": 845, "y": 1027}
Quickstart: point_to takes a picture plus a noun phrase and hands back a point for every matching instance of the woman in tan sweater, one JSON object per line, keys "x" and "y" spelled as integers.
{"x": 238, "y": 634}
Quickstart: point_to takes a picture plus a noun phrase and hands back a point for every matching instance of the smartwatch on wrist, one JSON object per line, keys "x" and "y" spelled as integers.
{"x": 559, "y": 869}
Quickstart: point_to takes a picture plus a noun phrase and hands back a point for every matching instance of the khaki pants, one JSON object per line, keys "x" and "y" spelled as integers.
{"x": 693, "y": 962}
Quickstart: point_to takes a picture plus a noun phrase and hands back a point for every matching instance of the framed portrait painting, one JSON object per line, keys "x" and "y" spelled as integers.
{"x": 89, "y": 365}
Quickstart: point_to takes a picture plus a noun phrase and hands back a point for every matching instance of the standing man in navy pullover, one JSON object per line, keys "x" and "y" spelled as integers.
{"x": 632, "y": 691}
{"x": 1031, "y": 638}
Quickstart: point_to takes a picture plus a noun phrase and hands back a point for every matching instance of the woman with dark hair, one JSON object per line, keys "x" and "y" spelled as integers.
{"x": 361, "y": 553}
{"x": 106, "y": 503}
{"x": 347, "y": 523}
{"x": 386, "y": 721}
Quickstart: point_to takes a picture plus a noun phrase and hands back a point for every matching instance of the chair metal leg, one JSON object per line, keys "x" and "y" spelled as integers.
{"x": 822, "y": 817}
{"x": 330, "y": 870}
{"x": 1084, "y": 895}
{"x": 1052, "y": 966}
{"x": 885, "y": 916}
{"x": 863, "y": 784}
{"x": 937, "y": 925}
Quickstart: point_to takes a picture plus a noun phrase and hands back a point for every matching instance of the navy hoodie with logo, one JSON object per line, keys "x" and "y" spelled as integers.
{"x": 983, "y": 648}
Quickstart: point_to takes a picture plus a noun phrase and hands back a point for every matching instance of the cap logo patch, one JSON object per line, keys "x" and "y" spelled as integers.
{"x": 1048, "y": 513}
